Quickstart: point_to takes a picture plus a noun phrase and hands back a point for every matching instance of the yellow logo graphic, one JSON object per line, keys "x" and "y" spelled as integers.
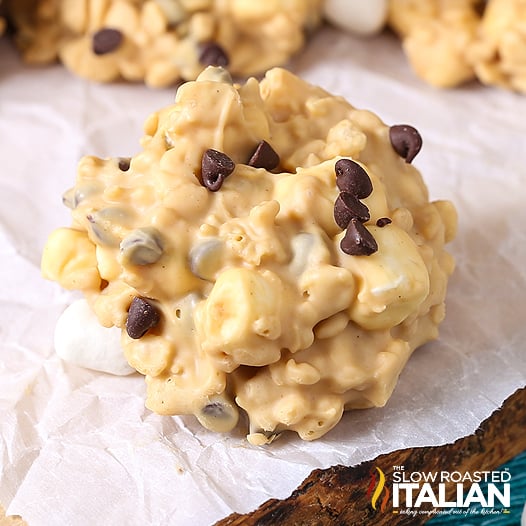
{"x": 376, "y": 487}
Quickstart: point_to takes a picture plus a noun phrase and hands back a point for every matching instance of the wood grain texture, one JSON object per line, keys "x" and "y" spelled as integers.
{"x": 337, "y": 496}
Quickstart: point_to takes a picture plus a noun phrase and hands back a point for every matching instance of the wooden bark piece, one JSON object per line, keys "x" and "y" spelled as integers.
{"x": 338, "y": 495}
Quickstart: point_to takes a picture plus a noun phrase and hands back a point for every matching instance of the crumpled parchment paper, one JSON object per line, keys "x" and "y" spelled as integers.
{"x": 78, "y": 447}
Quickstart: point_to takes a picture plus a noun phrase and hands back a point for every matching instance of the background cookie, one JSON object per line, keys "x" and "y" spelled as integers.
{"x": 436, "y": 35}
{"x": 449, "y": 42}
{"x": 162, "y": 41}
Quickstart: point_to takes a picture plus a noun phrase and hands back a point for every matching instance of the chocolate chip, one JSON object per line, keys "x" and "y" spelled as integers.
{"x": 106, "y": 223}
{"x": 205, "y": 258}
{"x": 352, "y": 178}
{"x": 212, "y": 54}
{"x": 214, "y": 409}
{"x": 106, "y": 40}
{"x": 405, "y": 140}
{"x": 215, "y": 167}
{"x": 383, "y": 221}
{"x": 142, "y": 316}
{"x": 264, "y": 156}
{"x": 358, "y": 241}
{"x": 141, "y": 246}
{"x": 348, "y": 207}
{"x": 69, "y": 199}
{"x": 218, "y": 413}
{"x": 124, "y": 164}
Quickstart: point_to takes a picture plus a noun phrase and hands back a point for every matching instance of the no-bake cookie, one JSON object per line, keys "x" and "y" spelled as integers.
{"x": 449, "y": 42}
{"x": 436, "y": 35}
{"x": 162, "y": 42}
{"x": 271, "y": 252}
{"x": 499, "y": 52}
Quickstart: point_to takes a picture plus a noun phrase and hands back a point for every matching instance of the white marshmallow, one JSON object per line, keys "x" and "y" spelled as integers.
{"x": 362, "y": 17}
{"x": 82, "y": 341}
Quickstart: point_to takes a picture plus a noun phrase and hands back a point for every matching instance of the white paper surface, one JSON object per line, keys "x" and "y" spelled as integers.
{"x": 79, "y": 447}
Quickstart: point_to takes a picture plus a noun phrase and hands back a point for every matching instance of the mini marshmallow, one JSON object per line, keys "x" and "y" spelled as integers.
{"x": 82, "y": 341}
{"x": 357, "y": 16}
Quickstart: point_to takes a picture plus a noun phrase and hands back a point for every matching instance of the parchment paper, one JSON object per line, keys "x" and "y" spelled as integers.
{"x": 79, "y": 448}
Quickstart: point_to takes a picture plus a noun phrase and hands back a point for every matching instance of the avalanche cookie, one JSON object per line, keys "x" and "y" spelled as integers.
{"x": 499, "y": 52}
{"x": 436, "y": 36}
{"x": 449, "y": 42}
{"x": 161, "y": 42}
{"x": 271, "y": 253}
